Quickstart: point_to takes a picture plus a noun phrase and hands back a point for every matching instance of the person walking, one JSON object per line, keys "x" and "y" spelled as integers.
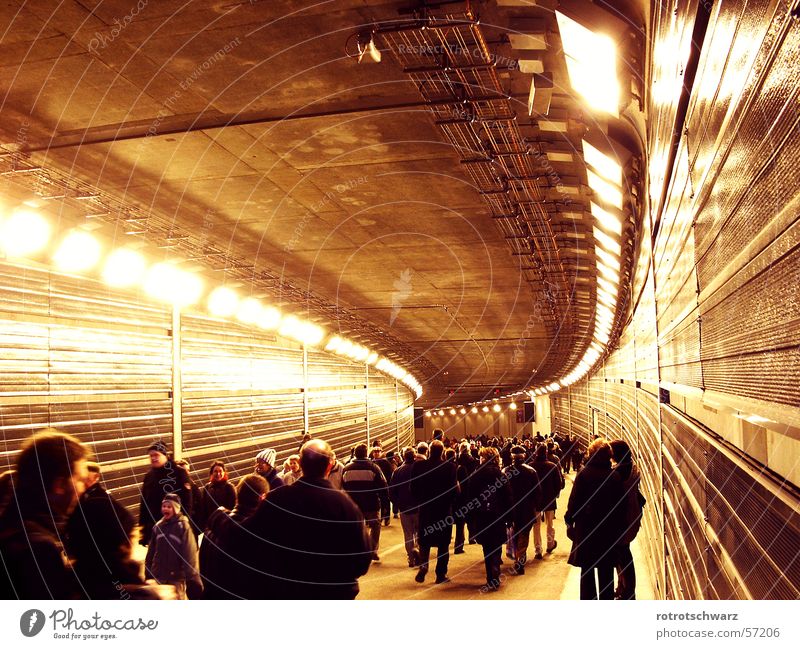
{"x": 632, "y": 517}
{"x": 490, "y": 490}
{"x": 525, "y": 487}
{"x": 550, "y": 483}
{"x": 403, "y": 499}
{"x": 365, "y": 484}
{"x": 435, "y": 487}
{"x": 594, "y": 517}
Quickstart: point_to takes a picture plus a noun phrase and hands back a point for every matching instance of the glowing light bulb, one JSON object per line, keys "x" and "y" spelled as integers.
{"x": 24, "y": 233}
{"x": 123, "y": 268}
{"x": 223, "y": 302}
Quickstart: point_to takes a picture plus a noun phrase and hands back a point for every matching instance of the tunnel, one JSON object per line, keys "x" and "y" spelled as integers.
{"x": 233, "y": 225}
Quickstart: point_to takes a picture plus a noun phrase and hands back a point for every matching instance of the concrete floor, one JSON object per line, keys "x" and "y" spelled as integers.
{"x": 550, "y": 578}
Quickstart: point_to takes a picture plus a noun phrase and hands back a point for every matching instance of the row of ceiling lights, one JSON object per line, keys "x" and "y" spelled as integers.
{"x": 591, "y": 60}
{"x": 25, "y": 233}
{"x": 474, "y": 410}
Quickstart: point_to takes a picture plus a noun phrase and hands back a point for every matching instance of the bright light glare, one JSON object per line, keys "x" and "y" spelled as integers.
{"x": 602, "y": 164}
{"x": 607, "y": 220}
{"x": 333, "y": 344}
{"x": 607, "y": 192}
{"x": 269, "y": 318}
{"x": 78, "y": 251}
{"x": 607, "y": 286}
{"x": 223, "y": 302}
{"x": 512, "y": 405}
{"x": 485, "y": 409}
{"x": 452, "y": 411}
{"x": 607, "y": 242}
{"x": 441, "y": 413}
{"x": 124, "y": 267}
{"x": 610, "y": 274}
{"x": 496, "y": 407}
{"x": 24, "y": 233}
{"x": 170, "y": 284}
{"x": 427, "y": 413}
{"x": 591, "y": 63}
{"x": 463, "y": 411}
{"x": 249, "y": 310}
{"x": 604, "y": 298}
{"x": 607, "y": 259}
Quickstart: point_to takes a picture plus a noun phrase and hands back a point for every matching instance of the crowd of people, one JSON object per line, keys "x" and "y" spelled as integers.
{"x": 310, "y": 531}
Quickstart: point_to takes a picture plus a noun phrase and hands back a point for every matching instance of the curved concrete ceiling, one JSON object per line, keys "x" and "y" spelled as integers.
{"x": 244, "y": 137}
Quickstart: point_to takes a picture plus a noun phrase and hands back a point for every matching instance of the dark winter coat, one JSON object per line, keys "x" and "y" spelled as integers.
{"x": 386, "y": 467}
{"x": 466, "y": 467}
{"x": 493, "y": 501}
{"x": 273, "y": 479}
{"x": 524, "y": 483}
{"x": 400, "y": 489}
{"x": 434, "y": 486}
{"x": 551, "y": 481}
{"x": 217, "y": 565}
{"x": 305, "y": 541}
{"x": 214, "y": 496}
{"x": 32, "y": 560}
{"x": 157, "y": 484}
{"x": 365, "y": 484}
{"x": 633, "y": 500}
{"x": 595, "y": 511}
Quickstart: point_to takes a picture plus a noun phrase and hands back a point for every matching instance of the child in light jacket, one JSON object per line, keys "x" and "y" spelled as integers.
{"x": 172, "y": 552}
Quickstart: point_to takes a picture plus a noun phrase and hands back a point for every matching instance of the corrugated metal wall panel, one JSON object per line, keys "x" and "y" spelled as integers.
{"x": 97, "y": 363}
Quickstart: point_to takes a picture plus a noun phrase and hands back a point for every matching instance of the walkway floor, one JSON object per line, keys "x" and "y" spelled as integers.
{"x": 551, "y": 578}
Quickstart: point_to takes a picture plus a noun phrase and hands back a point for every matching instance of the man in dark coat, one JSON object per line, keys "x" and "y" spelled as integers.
{"x": 551, "y": 482}
{"x": 596, "y": 515}
{"x": 524, "y": 483}
{"x": 403, "y": 499}
{"x": 435, "y": 488}
{"x": 50, "y": 477}
{"x": 494, "y": 500}
{"x": 466, "y": 465}
{"x": 365, "y": 484}
{"x": 164, "y": 477}
{"x": 307, "y": 540}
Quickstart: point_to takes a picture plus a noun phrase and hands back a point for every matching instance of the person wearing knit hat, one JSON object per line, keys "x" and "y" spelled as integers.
{"x": 172, "y": 552}
{"x": 265, "y": 467}
{"x": 164, "y": 476}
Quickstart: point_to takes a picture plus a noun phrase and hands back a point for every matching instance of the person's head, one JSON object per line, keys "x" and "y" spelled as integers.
{"x": 317, "y": 458}
{"x": 361, "y": 452}
{"x": 518, "y": 453}
{"x": 422, "y": 449}
{"x": 171, "y": 506}
{"x": 436, "y": 450}
{"x": 409, "y": 455}
{"x": 159, "y": 455}
{"x": 376, "y": 453}
{"x": 51, "y": 471}
{"x": 449, "y": 454}
{"x": 599, "y": 452}
{"x": 265, "y": 461}
{"x": 438, "y": 433}
{"x": 489, "y": 454}
{"x": 250, "y": 491}
{"x": 92, "y": 474}
{"x": 217, "y": 472}
{"x": 540, "y": 454}
{"x": 620, "y": 451}
{"x": 463, "y": 448}
{"x": 294, "y": 463}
